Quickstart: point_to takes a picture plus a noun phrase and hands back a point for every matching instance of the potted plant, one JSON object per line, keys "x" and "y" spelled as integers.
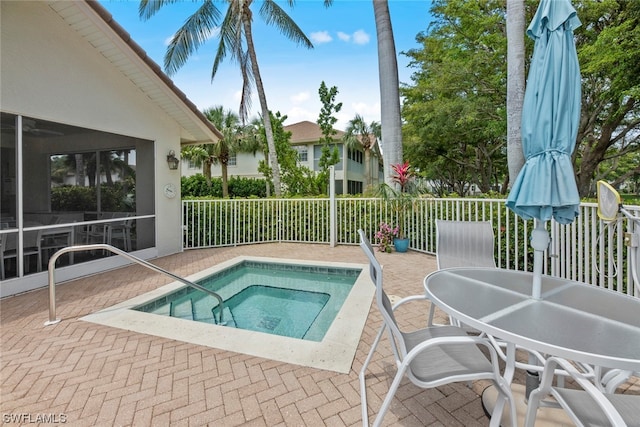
{"x": 386, "y": 235}
{"x": 401, "y": 200}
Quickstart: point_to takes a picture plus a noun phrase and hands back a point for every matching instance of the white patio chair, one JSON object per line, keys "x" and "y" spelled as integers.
{"x": 464, "y": 244}
{"x": 588, "y": 406}
{"x": 471, "y": 244}
{"x": 429, "y": 357}
{"x": 610, "y": 379}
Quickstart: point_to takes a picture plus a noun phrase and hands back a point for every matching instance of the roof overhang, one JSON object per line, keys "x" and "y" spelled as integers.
{"x": 96, "y": 25}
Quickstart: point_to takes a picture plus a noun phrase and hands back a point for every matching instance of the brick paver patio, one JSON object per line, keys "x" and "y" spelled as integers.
{"x": 86, "y": 374}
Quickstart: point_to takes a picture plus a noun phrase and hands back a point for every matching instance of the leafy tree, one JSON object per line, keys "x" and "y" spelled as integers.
{"x": 620, "y": 170}
{"x": 296, "y": 179}
{"x": 455, "y": 108}
{"x": 455, "y": 111}
{"x": 326, "y": 121}
{"x": 358, "y": 135}
{"x": 609, "y": 55}
{"x": 236, "y": 38}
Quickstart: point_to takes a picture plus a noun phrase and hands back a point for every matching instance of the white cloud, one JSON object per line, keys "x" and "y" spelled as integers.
{"x": 297, "y": 114}
{"x": 344, "y": 36}
{"x": 321, "y": 37}
{"x": 364, "y": 108}
{"x": 299, "y": 97}
{"x": 360, "y": 37}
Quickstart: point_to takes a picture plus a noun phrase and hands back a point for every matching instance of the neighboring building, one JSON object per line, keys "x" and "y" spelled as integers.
{"x": 305, "y": 138}
{"x": 82, "y": 104}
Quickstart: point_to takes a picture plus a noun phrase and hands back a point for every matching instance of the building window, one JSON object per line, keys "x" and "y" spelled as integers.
{"x": 355, "y": 155}
{"x": 354, "y": 187}
{"x": 233, "y": 160}
{"x": 302, "y": 153}
{"x": 193, "y": 164}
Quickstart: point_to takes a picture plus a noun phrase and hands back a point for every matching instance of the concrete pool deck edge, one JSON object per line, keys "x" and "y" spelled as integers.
{"x": 334, "y": 353}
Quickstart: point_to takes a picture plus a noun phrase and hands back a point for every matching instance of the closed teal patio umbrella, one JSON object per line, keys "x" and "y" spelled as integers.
{"x": 546, "y": 187}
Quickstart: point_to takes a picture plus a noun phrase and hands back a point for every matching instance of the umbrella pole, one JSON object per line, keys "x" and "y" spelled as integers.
{"x": 539, "y": 242}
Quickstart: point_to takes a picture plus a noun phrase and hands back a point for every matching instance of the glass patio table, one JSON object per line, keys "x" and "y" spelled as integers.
{"x": 572, "y": 320}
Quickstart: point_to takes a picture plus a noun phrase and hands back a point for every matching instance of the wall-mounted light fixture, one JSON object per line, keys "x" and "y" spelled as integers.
{"x": 172, "y": 160}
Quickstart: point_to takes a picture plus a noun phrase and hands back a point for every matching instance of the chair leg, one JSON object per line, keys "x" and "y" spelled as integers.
{"x": 505, "y": 397}
{"x": 363, "y": 386}
{"x": 390, "y": 394}
{"x": 532, "y": 408}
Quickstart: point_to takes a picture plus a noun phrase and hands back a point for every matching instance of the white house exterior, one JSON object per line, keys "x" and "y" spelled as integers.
{"x": 305, "y": 137}
{"x": 74, "y": 86}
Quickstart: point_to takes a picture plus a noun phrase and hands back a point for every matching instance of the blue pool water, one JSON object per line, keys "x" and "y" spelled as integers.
{"x": 293, "y": 300}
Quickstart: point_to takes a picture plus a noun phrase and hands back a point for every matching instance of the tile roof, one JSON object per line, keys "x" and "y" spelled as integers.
{"x": 307, "y": 131}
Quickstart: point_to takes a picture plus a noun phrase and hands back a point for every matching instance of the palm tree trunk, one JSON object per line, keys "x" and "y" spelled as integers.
{"x": 515, "y": 86}
{"x": 225, "y": 183}
{"x": 389, "y": 90}
{"x": 367, "y": 167}
{"x": 206, "y": 171}
{"x": 266, "y": 117}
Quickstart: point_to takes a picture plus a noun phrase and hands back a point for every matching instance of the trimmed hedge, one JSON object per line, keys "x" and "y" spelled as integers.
{"x": 196, "y": 186}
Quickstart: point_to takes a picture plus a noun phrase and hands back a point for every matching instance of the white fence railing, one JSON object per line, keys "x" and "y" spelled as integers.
{"x": 587, "y": 250}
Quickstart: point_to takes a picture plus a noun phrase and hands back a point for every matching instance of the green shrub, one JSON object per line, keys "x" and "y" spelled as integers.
{"x": 247, "y": 187}
{"x": 196, "y": 186}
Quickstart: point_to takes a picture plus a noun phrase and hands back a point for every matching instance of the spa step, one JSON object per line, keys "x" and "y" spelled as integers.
{"x": 182, "y": 309}
{"x": 227, "y": 317}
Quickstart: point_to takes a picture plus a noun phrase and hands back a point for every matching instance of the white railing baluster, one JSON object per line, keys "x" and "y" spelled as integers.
{"x": 587, "y": 250}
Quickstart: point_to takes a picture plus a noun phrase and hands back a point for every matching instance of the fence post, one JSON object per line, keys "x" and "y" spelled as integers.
{"x": 332, "y": 207}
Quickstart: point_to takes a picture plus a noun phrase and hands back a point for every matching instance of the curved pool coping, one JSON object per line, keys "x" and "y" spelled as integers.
{"x": 335, "y": 352}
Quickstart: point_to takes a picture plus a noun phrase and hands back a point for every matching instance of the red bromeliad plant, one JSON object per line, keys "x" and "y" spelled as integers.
{"x": 401, "y": 199}
{"x": 403, "y": 175}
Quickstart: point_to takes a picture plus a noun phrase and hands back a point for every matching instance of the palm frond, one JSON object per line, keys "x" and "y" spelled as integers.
{"x": 197, "y": 29}
{"x": 148, "y": 8}
{"x": 271, "y": 13}
{"x": 195, "y": 153}
{"x": 230, "y": 39}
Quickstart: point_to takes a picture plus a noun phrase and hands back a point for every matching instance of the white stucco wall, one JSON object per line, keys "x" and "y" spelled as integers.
{"x": 47, "y": 71}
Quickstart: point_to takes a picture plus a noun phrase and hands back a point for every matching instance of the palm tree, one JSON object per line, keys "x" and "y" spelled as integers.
{"x": 228, "y": 123}
{"x": 236, "y": 38}
{"x": 206, "y": 155}
{"x": 361, "y": 134}
{"x": 201, "y": 156}
{"x": 389, "y": 90}
{"x": 515, "y": 85}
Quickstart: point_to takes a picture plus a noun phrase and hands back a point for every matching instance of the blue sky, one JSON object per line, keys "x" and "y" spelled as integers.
{"x": 344, "y": 55}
